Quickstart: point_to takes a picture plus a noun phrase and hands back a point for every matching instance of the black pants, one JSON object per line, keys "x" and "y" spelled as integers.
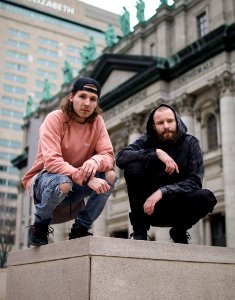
{"x": 180, "y": 210}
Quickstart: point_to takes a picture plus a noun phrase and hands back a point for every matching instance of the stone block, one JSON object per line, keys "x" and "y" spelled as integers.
{"x": 98, "y": 268}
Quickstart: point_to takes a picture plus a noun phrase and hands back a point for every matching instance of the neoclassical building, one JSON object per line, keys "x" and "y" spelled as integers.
{"x": 184, "y": 56}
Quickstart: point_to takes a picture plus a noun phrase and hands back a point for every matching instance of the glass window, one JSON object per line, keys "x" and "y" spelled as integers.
{"x": 12, "y": 101}
{"x": 15, "y": 66}
{"x": 3, "y": 168}
{"x": 11, "y": 196}
{"x": 211, "y": 125}
{"x": 10, "y": 144}
{"x": 13, "y": 89}
{"x": 48, "y": 42}
{"x": 13, "y": 77}
{"x": 7, "y": 156}
{"x": 17, "y": 44}
{"x": 21, "y": 34}
{"x": 10, "y": 125}
{"x": 47, "y": 63}
{"x": 11, "y": 113}
{"x": 74, "y": 49}
{"x": 47, "y": 52}
{"x": 17, "y": 55}
{"x": 202, "y": 24}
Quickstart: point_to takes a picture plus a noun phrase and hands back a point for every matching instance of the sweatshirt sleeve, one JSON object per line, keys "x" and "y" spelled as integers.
{"x": 135, "y": 152}
{"x": 51, "y": 134}
{"x": 104, "y": 155}
{"x": 194, "y": 174}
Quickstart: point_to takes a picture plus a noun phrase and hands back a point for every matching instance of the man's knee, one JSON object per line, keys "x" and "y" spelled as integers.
{"x": 65, "y": 187}
{"x": 210, "y": 199}
{"x": 111, "y": 176}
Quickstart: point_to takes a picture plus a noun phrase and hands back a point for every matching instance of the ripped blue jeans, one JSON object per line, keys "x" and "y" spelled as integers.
{"x": 48, "y": 196}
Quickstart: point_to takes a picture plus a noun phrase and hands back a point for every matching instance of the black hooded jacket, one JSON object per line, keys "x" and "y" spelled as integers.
{"x": 186, "y": 153}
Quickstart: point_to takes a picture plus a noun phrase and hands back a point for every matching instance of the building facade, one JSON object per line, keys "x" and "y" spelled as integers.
{"x": 184, "y": 56}
{"x": 37, "y": 38}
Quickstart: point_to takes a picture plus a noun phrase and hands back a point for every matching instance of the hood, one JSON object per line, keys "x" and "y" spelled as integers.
{"x": 181, "y": 127}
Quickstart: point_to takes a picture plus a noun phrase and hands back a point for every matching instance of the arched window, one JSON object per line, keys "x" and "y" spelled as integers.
{"x": 212, "y": 138}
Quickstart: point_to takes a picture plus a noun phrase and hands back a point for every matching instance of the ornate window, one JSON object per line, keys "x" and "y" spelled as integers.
{"x": 212, "y": 138}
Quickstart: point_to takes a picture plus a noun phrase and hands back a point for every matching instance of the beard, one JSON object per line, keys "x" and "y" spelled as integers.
{"x": 168, "y": 137}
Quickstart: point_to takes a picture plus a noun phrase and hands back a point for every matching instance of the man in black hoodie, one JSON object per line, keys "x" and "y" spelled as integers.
{"x": 163, "y": 170}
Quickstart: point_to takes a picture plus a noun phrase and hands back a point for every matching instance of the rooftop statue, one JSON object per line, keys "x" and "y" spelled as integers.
{"x": 125, "y": 22}
{"x": 46, "y": 90}
{"x": 110, "y": 36}
{"x": 68, "y": 73}
{"x": 88, "y": 52}
{"x": 29, "y": 105}
{"x": 140, "y": 6}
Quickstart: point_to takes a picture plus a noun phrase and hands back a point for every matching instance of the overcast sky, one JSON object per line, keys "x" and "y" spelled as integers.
{"x": 116, "y": 6}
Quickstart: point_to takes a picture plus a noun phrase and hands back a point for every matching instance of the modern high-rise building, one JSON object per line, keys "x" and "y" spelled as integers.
{"x": 36, "y": 39}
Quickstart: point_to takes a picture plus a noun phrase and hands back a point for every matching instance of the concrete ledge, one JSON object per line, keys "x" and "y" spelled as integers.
{"x": 109, "y": 268}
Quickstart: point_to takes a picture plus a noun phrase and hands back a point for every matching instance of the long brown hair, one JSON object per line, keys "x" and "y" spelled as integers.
{"x": 67, "y": 108}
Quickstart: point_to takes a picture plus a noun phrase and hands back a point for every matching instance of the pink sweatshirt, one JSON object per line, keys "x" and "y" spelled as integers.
{"x": 64, "y": 147}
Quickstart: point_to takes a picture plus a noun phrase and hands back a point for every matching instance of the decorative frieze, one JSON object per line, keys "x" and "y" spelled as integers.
{"x": 225, "y": 83}
{"x": 185, "y": 104}
{"x": 123, "y": 106}
{"x": 133, "y": 123}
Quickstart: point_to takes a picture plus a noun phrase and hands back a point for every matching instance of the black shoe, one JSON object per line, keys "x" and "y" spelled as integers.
{"x": 139, "y": 235}
{"x": 179, "y": 235}
{"x": 79, "y": 231}
{"x": 39, "y": 234}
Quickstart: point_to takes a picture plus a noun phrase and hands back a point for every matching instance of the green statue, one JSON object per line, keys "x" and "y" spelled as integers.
{"x": 125, "y": 22}
{"x": 46, "y": 90}
{"x": 88, "y": 52}
{"x": 68, "y": 73}
{"x": 29, "y": 105}
{"x": 140, "y": 6}
{"x": 110, "y": 36}
{"x": 164, "y": 3}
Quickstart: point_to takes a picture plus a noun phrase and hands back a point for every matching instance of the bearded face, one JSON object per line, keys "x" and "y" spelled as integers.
{"x": 165, "y": 125}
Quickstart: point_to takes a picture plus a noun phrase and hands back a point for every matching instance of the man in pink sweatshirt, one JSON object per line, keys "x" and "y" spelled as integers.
{"x": 74, "y": 160}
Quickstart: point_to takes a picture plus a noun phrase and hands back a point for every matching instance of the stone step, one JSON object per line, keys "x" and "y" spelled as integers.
{"x": 98, "y": 268}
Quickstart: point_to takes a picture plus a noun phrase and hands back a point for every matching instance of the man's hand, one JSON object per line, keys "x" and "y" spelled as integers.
{"x": 171, "y": 165}
{"x": 151, "y": 201}
{"x": 98, "y": 185}
{"x": 89, "y": 168}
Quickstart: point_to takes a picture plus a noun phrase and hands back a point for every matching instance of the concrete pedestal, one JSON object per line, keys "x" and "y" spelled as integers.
{"x": 98, "y": 268}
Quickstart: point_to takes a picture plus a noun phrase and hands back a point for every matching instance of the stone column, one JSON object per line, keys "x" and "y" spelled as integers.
{"x": 59, "y": 232}
{"x": 185, "y": 110}
{"x": 100, "y": 226}
{"x": 227, "y": 114}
